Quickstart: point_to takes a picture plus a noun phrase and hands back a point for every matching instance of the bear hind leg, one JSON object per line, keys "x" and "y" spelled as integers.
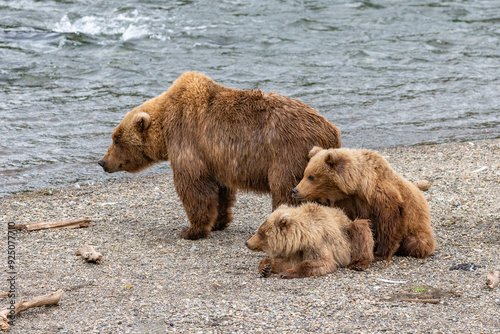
{"x": 227, "y": 197}
{"x": 420, "y": 245}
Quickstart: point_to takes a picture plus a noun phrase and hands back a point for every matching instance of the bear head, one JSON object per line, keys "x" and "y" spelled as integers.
{"x": 330, "y": 174}
{"x": 280, "y": 235}
{"x": 137, "y": 142}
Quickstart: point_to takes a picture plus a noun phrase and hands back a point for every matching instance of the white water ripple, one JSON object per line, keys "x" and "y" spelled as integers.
{"x": 128, "y": 28}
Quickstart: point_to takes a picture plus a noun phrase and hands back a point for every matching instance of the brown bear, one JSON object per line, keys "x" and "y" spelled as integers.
{"x": 219, "y": 140}
{"x": 362, "y": 183}
{"x": 311, "y": 240}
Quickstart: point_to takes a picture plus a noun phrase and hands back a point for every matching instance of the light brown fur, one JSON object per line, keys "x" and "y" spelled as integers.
{"x": 362, "y": 183}
{"x": 311, "y": 240}
{"x": 220, "y": 140}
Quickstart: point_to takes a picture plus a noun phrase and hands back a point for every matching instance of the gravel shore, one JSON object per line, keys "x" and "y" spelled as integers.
{"x": 151, "y": 281}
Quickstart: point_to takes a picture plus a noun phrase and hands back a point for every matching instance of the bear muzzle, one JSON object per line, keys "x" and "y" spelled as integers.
{"x": 106, "y": 167}
{"x": 102, "y": 163}
{"x": 296, "y": 195}
{"x": 252, "y": 247}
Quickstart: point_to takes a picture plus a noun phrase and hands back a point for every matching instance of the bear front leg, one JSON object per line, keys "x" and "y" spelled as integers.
{"x": 225, "y": 209}
{"x": 270, "y": 266}
{"x": 386, "y": 247}
{"x": 388, "y": 240}
{"x": 361, "y": 244}
{"x": 200, "y": 200}
{"x": 310, "y": 268}
{"x": 389, "y": 223}
{"x": 281, "y": 183}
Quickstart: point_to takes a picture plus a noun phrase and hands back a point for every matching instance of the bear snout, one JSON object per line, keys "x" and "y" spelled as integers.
{"x": 253, "y": 245}
{"x": 297, "y": 195}
{"x": 249, "y": 246}
{"x": 105, "y": 166}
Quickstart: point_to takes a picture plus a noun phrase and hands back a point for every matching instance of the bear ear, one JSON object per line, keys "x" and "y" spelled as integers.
{"x": 313, "y": 151}
{"x": 284, "y": 220}
{"x": 330, "y": 159}
{"x": 142, "y": 121}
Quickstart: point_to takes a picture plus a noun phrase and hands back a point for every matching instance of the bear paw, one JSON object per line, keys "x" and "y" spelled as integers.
{"x": 378, "y": 257}
{"x": 191, "y": 234}
{"x": 265, "y": 267}
{"x": 359, "y": 266}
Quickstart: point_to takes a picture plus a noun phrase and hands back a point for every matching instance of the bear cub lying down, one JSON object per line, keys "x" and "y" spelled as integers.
{"x": 311, "y": 240}
{"x": 362, "y": 183}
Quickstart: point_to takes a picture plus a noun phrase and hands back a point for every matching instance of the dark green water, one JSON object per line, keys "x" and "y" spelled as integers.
{"x": 387, "y": 73}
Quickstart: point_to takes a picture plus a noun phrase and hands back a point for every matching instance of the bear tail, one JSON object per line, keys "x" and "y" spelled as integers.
{"x": 362, "y": 244}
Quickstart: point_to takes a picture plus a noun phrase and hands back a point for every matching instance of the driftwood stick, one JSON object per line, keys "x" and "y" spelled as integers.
{"x": 492, "y": 279}
{"x": 50, "y": 299}
{"x": 4, "y": 320}
{"x": 423, "y": 185}
{"x": 51, "y": 225}
{"x": 417, "y": 300}
{"x": 45, "y": 300}
{"x": 4, "y": 295}
{"x": 89, "y": 254}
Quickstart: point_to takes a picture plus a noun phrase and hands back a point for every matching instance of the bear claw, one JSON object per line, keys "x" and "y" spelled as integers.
{"x": 266, "y": 271}
{"x": 283, "y": 275}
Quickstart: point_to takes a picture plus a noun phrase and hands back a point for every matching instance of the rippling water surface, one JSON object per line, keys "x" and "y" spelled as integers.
{"x": 387, "y": 73}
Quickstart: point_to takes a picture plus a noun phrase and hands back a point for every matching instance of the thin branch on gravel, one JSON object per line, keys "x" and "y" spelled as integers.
{"x": 45, "y": 300}
{"x": 417, "y": 300}
{"x": 89, "y": 254}
{"x": 52, "y": 225}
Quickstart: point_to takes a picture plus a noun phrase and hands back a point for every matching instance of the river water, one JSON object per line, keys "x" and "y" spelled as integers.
{"x": 387, "y": 73}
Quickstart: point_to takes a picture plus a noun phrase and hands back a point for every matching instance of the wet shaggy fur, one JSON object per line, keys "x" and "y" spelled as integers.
{"x": 362, "y": 183}
{"x": 311, "y": 240}
{"x": 220, "y": 140}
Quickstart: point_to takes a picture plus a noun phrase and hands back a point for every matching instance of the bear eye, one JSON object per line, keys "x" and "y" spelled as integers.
{"x": 260, "y": 233}
{"x": 116, "y": 141}
{"x": 310, "y": 177}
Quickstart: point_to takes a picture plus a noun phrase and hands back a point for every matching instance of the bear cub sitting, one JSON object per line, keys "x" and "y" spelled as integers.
{"x": 363, "y": 185}
{"x": 311, "y": 240}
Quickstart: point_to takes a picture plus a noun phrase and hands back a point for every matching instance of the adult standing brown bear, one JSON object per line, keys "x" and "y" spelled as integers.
{"x": 220, "y": 140}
